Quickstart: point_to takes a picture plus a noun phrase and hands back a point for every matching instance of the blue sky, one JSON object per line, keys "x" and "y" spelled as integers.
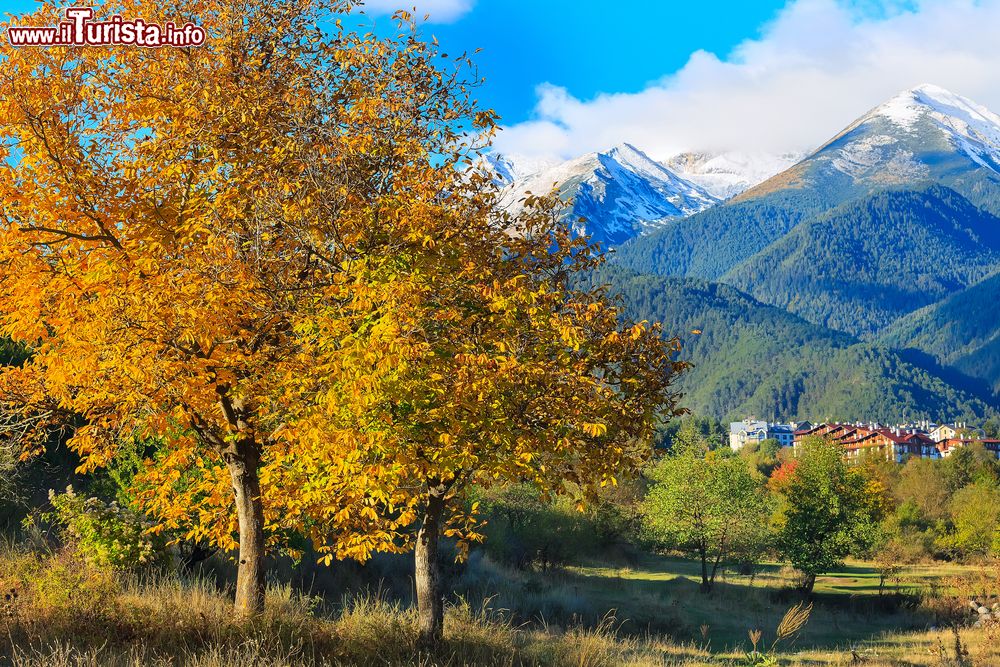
{"x": 18, "y": 6}
{"x": 737, "y": 75}
{"x": 751, "y": 76}
{"x": 590, "y": 47}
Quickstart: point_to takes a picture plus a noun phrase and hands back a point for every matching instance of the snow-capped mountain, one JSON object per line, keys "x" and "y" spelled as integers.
{"x": 918, "y": 138}
{"x": 897, "y": 211}
{"x": 619, "y": 193}
{"x": 507, "y": 168}
{"x": 922, "y": 135}
{"x": 919, "y": 134}
{"x": 725, "y": 175}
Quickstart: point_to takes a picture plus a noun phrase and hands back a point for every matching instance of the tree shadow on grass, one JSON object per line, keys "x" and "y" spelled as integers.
{"x": 722, "y": 618}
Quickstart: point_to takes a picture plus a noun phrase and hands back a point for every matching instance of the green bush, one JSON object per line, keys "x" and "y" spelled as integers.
{"x": 106, "y": 534}
{"x": 524, "y": 530}
{"x": 58, "y": 592}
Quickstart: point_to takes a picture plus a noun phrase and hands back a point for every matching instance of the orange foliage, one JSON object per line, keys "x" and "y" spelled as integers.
{"x": 261, "y": 254}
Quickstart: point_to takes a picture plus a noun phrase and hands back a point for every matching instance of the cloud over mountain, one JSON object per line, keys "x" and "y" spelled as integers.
{"x": 812, "y": 68}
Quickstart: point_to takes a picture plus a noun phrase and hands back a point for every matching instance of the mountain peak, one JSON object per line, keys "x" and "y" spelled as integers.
{"x": 906, "y": 138}
{"x": 628, "y": 151}
{"x": 946, "y": 107}
{"x": 635, "y": 160}
{"x": 614, "y": 194}
{"x": 930, "y": 89}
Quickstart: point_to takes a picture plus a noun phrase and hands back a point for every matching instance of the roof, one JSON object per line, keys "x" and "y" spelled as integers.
{"x": 961, "y": 442}
{"x": 856, "y": 435}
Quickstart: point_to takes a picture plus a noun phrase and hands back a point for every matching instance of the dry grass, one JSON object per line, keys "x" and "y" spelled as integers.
{"x": 174, "y": 623}
{"x": 60, "y": 612}
{"x": 935, "y": 648}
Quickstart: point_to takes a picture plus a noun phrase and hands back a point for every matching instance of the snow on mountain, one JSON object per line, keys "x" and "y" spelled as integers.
{"x": 906, "y": 135}
{"x": 923, "y": 134}
{"x": 726, "y": 175}
{"x": 619, "y": 193}
{"x": 917, "y": 135}
{"x": 956, "y": 114}
{"x": 508, "y": 168}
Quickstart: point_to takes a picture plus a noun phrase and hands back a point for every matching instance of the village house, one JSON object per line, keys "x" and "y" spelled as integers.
{"x": 752, "y": 430}
{"x": 895, "y": 443}
{"x": 946, "y": 447}
{"x": 955, "y": 431}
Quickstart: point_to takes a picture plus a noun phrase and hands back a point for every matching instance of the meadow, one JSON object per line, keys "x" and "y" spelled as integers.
{"x": 61, "y": 611}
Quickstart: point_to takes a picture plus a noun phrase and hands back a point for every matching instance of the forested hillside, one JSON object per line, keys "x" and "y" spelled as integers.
{"x": 868, "y": 262}
{"x": 750, "y": 358}
{"x": 963, "y": 332}
{"x": 709, "y": 244}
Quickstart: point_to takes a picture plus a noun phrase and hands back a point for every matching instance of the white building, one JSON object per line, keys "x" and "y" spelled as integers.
{"x": 752, "y": 430}
{"x": 955, "y": 431}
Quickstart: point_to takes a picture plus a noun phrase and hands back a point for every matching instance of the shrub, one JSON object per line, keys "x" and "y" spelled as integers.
{"x": 106, "y": 534}
{"x": 524, "y": 530}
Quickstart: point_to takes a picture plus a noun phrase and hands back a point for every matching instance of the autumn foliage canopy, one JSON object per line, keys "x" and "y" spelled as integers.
{"x": 267, "y": 258}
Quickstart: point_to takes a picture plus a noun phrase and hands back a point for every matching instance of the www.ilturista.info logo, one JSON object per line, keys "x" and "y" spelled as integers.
{"x": 81, "y": 30}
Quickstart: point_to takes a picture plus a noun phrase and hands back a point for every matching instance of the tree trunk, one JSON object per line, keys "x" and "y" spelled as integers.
{"x": 430, "y": 606}
{"x": 243, "y": 468}
{"x": 715, "y": 568}
{"x": 808, "y": 582}
{"x": 706, "y": 585}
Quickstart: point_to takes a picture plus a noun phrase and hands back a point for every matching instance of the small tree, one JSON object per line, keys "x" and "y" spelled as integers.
{"x": 709, "y": 505}
{"x": 826, "y": 510}
{"x": 525, "y": 529}
{"x": 889, "y": 565}
{"x": 692, "y": 432}
{"x": 975, "y": 513}
{"x": 969, "y": 464}
{"x": 763, "y": 456}
{"x": 923, "y": 488}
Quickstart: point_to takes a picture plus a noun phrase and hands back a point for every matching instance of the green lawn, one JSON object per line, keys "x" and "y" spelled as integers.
{"x": 660, "y": 595}
{"x": 854, "y": 578}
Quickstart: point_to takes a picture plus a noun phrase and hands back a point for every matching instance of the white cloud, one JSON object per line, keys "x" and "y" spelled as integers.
{"x": 819, "y": 65}
{"x": 440, "y": 11}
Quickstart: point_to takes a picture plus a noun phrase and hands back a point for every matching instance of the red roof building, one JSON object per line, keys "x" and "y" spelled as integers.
{"x": 861, "y": 442}
{"x": 946, "y": 447}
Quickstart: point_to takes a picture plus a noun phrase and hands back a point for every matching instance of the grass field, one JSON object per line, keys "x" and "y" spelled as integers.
{"x": 659, "y": 596}
{"x": 68, "y": 615}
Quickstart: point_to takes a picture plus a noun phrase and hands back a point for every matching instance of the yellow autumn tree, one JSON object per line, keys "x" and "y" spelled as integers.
{"x": 184, "y": 229}
{"x": 510, "y": 375}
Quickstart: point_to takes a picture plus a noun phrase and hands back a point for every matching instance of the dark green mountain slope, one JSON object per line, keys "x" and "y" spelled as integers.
{"x": 962, "y": 332}
{"x": 863, "y": 265}
{"x": 755, "y": 359}
{"x": 981, "y": 187}
{"x": 709, "y": 244}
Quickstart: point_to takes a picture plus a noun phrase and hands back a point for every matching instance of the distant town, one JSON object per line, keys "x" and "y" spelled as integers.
{"x": 863, "y": 440}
